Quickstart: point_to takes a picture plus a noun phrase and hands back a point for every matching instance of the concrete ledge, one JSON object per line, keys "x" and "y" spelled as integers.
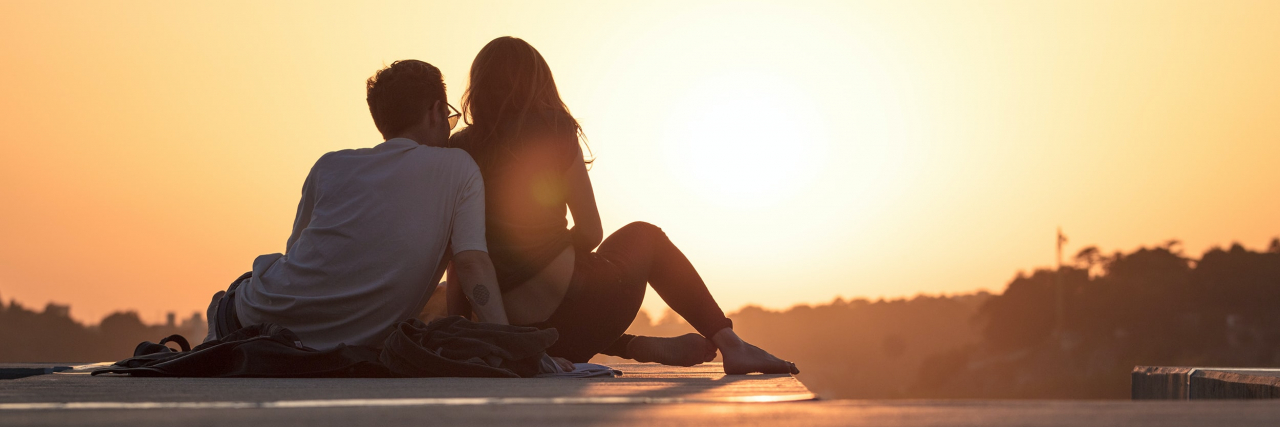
{"x": 1180, "y": 382}
{"x": 641, "y": 383}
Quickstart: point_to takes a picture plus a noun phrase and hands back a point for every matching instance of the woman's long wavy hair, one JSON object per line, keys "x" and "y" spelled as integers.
{"x": 512, "y": 91}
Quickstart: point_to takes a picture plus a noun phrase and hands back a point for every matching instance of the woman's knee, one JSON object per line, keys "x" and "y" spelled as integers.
{"x": 632, "y": 239}
{"x": 642, "y": 228}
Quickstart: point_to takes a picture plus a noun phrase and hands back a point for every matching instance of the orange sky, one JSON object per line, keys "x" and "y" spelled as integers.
{"x": 796, "y": 151}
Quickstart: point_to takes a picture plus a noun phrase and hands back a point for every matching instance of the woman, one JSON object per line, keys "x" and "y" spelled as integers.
{"x": 521, "y": 135}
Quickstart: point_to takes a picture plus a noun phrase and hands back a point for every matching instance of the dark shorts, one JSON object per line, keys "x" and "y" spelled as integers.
{"x": 608, "y": 286}
{"x": 225, "y": 320}
{"x": 599, "y": 306}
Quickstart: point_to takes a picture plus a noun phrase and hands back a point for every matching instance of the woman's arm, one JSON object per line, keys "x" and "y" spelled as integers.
{"x": 587, "y": 231}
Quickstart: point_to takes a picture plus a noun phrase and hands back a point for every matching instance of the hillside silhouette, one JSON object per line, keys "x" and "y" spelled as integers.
{"x": 1152, "y": 306}
{"x": 53, "y": 336}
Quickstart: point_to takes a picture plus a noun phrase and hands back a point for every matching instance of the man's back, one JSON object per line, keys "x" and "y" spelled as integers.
{"x": 366, "y": 246}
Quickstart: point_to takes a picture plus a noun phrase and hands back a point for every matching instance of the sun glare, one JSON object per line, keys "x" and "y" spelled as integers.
{"x": 744, "y": 148}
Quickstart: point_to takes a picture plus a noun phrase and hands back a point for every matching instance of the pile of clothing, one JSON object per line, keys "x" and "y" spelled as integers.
{"x": 447, "y": 347}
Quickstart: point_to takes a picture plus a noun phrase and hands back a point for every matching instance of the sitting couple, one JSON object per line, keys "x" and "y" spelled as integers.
{"x": 377, "y": 228}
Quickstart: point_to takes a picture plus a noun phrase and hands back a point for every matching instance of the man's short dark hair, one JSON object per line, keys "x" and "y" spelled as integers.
{"x": 402, "y": 93}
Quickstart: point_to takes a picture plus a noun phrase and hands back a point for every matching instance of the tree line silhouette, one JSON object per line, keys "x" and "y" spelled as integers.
{"x": 52, "y": 336}
{"x": 1152, "y": 306}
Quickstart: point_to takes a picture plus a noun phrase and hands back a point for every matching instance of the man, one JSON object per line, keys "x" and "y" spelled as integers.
{"x": 375, "y": 228}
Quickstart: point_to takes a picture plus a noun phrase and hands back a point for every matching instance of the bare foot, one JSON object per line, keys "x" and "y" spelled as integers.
{"x": 209, "y": 315}
{"x": 743, "y": 358}
{"x": 684, "y": 350}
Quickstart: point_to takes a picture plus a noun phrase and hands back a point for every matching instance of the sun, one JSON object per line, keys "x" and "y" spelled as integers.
{"x": 744, "y": 139}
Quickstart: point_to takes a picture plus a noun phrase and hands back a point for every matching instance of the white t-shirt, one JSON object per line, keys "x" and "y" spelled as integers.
{"x": 367, "y": 243}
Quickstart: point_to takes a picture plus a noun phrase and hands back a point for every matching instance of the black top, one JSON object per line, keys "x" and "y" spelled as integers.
{"x": 524, "y": 196}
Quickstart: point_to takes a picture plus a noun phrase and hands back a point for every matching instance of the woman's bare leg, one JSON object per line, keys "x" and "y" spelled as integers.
{"x": 641, "y": 252}
{"x": 684, "y": 350}
{"x": 743, "y": 358}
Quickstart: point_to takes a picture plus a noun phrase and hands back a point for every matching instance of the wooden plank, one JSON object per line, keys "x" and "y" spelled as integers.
{"x": 1160, "y": 382}
{"x": 1235, "y": 384}
{"x": 1182, "y": 382}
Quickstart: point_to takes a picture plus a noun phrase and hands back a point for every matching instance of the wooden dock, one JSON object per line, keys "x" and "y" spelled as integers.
{"x": 1186, "y": 383}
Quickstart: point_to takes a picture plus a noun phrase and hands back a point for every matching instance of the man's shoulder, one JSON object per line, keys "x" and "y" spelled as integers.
{"x": 445, "y": 155}
{"x": 455, "y": 161}
{"x": 417, "y": 151}
{"x": 346, "y": 152}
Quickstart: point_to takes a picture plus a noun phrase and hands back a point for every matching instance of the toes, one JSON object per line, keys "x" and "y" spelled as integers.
{"x": 779, "y": 367}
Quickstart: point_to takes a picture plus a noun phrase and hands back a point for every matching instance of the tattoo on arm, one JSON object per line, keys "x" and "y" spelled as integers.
{"x": 480, "y": 294}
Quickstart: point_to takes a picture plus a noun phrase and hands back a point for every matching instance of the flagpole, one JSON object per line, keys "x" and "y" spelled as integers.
{"x": 1059, "y": 309}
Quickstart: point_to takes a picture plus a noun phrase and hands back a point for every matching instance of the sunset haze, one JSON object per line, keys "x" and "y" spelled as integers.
{"x": 795, "y": 151}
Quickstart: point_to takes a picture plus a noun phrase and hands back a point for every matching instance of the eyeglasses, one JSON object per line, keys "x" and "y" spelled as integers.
{"x": 453, "y": 118}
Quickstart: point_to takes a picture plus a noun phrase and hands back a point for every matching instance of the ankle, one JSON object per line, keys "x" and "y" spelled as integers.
{"x": 726, "y": 339}
{"x": 637, "y": 350}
